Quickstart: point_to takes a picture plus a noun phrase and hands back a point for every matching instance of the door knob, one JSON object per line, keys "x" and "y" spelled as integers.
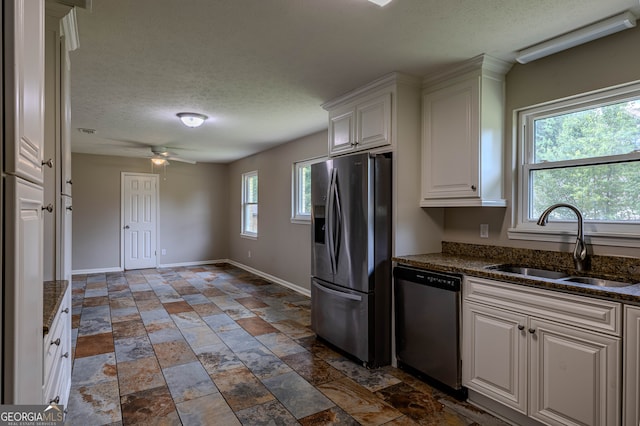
{"x": 126, "y": 227}
{"x": 70, "y": 208}
{"x": 48, "y": 163}
{"x": 48, "y": 208}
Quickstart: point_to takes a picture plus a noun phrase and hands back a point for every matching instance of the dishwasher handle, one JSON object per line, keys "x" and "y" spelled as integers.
{"x": 428, "y": 278}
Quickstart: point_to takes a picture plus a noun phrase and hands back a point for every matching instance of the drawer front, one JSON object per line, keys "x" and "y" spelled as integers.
{"x": 580, "y": 311}
{"x": 52, "y": 351}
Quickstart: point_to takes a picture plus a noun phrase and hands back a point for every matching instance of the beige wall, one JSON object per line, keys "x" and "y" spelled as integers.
{"x": 283, "y": 249}
{"x": 599, "y": 64}
{"x": 193, "y": 210}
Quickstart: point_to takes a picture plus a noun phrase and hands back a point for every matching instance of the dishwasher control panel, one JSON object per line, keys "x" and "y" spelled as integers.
{"x": 431, "y": 278}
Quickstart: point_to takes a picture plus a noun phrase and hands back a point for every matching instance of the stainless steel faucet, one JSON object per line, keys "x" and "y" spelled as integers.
{"x": 580, "y": 251}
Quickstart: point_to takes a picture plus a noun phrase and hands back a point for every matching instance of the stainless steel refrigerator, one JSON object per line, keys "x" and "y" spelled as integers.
{"x": 351, "y": 255}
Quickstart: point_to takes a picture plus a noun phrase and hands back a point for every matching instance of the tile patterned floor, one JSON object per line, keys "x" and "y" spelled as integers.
{"x": 217, "y": 345}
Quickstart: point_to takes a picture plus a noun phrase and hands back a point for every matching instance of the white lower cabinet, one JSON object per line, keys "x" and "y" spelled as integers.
{"x": 529, "y": 352}
{"x": 631, "y": 408}
{"x": 57, "y": 356}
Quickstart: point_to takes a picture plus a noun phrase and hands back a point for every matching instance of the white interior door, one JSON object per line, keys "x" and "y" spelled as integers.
{"x": 139, "y": 219}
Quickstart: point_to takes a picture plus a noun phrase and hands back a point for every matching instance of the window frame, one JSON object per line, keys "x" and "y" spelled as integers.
{"x": 244, "y": 203}
{"x": 596, "y": 232}
{"x": 296, "y": 215}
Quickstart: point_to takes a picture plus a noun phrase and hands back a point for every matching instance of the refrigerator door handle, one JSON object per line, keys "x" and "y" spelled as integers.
{"x": 337, "y": 223}
{"x": 339, "y": 293}
{"x": 330, "y": 218}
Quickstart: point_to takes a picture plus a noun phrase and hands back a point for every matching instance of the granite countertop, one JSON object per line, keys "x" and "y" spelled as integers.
{"x": 466, "y": 259}
{"x": 53, "y": 293}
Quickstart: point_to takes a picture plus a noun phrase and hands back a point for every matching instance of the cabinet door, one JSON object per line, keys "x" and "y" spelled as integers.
{"x": 23, "y": 354}
{"x": 575, "y": 376}
{"x": 494, "y": 354}
{"x": 24, "y": 84}
{"x": 450, "y": 163}
{"x": 342, "y": 130}
{"x": 631, "y": 404}
{"x": 373, "y": 121}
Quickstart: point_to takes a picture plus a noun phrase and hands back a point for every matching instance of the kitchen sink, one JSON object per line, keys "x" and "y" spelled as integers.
{"x": 558, "y": 276}
{"x": 532, "y": 272}
{"x": 597, "y": 281}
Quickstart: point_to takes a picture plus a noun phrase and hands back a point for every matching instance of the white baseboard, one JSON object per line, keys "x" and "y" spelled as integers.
{"x": 96, "y": 271}
{"x": 200, "y": 262}
{"x": 274, "y": 279}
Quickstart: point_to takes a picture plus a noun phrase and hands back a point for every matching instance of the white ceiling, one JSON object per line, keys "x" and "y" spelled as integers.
{"x": 260, "y": 69}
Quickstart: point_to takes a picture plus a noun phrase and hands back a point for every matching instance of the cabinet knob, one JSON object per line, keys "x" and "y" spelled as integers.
{"x": 48, "y": 163}
{"x": 532, "y": 330}
{"x": 55, "y": 400}
{"x": 70, "y": 208}
{"x": 473, "y": 187}
{"x": 65, "y": 310}
{"x": 66, "y": 355}
{"x": 520, "y": 327}
{"x": 48, "y": 208}
{"x": 56, "y": 342}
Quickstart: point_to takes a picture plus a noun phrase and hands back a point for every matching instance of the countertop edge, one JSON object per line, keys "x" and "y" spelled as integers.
{"x": 477, "y": 267}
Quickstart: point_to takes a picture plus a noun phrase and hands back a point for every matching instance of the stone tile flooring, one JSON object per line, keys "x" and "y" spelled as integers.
{"x": 217, "y": 345}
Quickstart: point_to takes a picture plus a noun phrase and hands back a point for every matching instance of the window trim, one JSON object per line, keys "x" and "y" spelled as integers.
{"x": 296, "y": 217}
{"x": 244, "y": 203}
{"x": 608, "y": 234}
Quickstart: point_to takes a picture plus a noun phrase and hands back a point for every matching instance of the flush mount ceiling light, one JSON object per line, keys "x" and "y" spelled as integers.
{"x": 380, "y": 3}
{"x": 574, "y": 38}
{"x": 192, "y": 119}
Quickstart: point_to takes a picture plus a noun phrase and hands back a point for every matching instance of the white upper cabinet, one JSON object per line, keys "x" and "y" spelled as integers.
{"x": 462, "y": 135}
{"x": 362, "y": 119}
{"x": 24, "y": 84}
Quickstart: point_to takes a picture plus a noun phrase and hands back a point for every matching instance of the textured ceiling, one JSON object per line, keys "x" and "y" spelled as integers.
{"x": 260, "y": 69}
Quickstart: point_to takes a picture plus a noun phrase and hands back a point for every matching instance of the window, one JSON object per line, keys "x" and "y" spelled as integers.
{"x": 250, "y": 204}
{"x": 301, "y": 191}
{"x": 583, "y": 151}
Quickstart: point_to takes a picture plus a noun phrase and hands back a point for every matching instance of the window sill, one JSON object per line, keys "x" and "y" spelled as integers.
{"x": 561, "y": 236}
{"x": 301, "y": 220}
{"x": 249, "y": 236}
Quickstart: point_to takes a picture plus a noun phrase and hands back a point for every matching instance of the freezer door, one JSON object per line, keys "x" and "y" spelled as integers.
{"x": 342, "y": 318}
{"x": 322, "y": 264}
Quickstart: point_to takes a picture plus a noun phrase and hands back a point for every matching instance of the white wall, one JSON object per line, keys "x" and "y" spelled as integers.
{"x": 282, "y": 249}
{"x": 193, "y": 210}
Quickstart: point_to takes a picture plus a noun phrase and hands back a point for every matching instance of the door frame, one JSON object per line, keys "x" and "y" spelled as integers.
{"x": 156, "y": 178}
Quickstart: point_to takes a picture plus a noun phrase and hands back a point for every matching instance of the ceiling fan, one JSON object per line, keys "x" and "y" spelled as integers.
{"x": 161, "y": 156}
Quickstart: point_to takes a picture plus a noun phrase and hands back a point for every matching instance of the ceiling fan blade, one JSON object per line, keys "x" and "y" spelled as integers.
{"x": 182, "y": 160}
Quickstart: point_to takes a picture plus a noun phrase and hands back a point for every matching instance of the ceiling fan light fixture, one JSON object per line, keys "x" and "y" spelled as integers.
{"x": 192, "y": 119}
{"x": 380, "y": 3}
{"x": 159, "y": 161}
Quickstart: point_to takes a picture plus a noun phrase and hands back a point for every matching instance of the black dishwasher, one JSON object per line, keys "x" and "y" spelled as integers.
{"x": 427, "y": 322}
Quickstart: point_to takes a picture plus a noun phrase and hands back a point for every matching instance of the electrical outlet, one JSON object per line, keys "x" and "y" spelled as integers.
{"x": 249, "y": 254}
{"x": 484, "y": 230}
{"x": 164, "y": 252}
